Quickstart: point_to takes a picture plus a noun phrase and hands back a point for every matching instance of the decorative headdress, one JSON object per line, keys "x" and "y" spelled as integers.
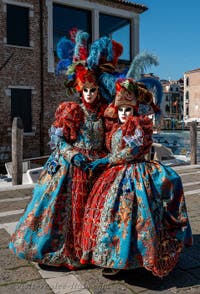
{"x": 130, "y": 93}
{"x": 97, "y": 65}
{"x": 138, "y": 93}
{"x": 103, "y": 58}
{"x": 84, "y": 76}
{"x": 126, "y": 93}
{"x": 137, "y": 68}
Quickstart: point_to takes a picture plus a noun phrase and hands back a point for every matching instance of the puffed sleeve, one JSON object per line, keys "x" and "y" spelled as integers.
{"x": 69, "y": 116}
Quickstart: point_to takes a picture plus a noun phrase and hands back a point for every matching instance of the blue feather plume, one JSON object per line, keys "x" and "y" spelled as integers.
{"x": 80, "y": 41}
{"x": 119, "y": 75}
{"x": 107, "y": 86}
{"x": 65, "y": 49}
{"x": 62, "y": 66}
{"x": 100, "y": 48}
{"x": 155, "y": 87}
{"x": 140, "y": 63}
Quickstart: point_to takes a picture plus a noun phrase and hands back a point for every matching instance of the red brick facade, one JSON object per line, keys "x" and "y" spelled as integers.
{"x": 21, "y": 70}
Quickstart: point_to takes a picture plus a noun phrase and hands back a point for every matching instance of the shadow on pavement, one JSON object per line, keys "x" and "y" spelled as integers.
{"x": 61, "y": 268}
{"x": 185, "y": 274}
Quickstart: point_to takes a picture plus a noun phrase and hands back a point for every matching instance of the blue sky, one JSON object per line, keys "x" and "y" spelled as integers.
{"x": 170, "y": 29}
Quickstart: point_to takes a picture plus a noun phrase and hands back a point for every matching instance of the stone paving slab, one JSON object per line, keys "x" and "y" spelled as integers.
{"x": 7, "y": 206}
{"x": 4, "y": 238}
{"x": 10, "y": 218}
{"x": 32, "y": 287}
{"x": 194, "y": 187}
{"x": 187, "y": 171}
{"x": 195, "y": 177}
{"x": 53, "y": 273}
{"x": 18, "y": 275}
{"x": 195, "y": 227}
{"x": 116, "y": 288}
{"x": 15, "y": 275}
{"x": 9, "y": 192}
{"x": 66, "y": 284}
{"x": 10, "y": 261}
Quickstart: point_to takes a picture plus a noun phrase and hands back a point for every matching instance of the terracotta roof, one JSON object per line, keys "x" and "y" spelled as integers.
{"x": 139, "y": 7}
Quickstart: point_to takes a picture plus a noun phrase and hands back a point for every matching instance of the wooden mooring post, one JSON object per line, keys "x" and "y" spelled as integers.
{"x": 193, "y": 142}
{"x": 17, "y": 151}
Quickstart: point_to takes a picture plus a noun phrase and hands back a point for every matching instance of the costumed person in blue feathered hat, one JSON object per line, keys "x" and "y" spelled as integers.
{"x": 49, "y": 232}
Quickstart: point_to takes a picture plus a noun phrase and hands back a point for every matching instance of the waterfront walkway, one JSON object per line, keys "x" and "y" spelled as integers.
{"x": 20, "y": 276}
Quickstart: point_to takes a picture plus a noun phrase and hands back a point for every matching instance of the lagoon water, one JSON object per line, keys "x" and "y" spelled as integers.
{"x": 178, "y": 141}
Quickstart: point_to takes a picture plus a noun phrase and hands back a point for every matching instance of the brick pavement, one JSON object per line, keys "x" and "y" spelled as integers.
{"x": 21, "y": 276}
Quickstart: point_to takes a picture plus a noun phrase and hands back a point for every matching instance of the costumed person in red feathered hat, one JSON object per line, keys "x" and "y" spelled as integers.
{"x": 49, "y": 232}
{"x": 135, "y": 214}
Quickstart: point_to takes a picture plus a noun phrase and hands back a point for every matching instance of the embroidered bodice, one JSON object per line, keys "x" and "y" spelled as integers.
{"x": 131, "y": 146}
{"x": 116, "y": 141}
{"x": 91, "y": 134}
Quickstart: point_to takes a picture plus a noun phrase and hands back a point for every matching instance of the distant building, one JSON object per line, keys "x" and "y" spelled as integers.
{"x": 172, "y": 104}
{"x": 28, "y": 36}
{"x": 192, "y": 95}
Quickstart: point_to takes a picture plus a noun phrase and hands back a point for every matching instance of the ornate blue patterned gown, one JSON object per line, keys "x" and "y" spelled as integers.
{"x": 49, "y": 231}
{"x": 135, "y": 214}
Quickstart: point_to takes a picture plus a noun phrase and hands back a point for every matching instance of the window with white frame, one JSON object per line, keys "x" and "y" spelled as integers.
{"x": 17, "y": 25}
{"x": 119, "y": 29}
{"x": 66, "y": 18}
{"x": 97, "y": 19}
{"x": 21, "y": 107}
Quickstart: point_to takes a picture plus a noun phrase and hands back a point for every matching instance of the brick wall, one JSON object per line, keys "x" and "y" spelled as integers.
{"x": 23, "y": 69}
